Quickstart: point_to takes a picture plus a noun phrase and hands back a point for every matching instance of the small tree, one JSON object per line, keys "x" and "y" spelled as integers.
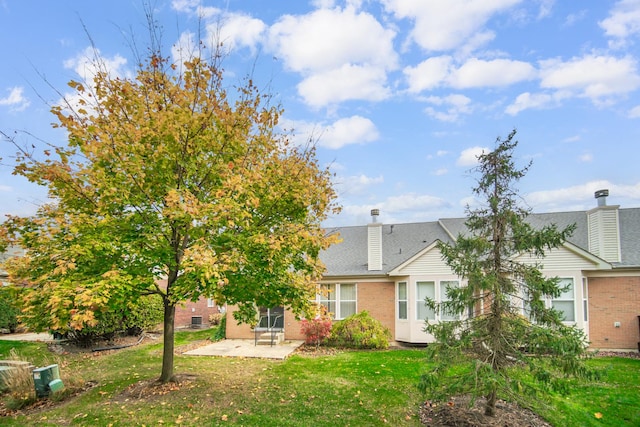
{"x": 9, "y": 308}
{"x": 503, "y": 321}
{"x": 169, "y": 186}
{"x": 317, "y": 329}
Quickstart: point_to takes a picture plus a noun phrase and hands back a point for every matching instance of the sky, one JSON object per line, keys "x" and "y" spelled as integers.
{"x": 400, "y": 95}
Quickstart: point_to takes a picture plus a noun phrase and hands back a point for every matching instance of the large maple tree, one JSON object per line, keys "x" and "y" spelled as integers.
{"x": 170, "y": 185}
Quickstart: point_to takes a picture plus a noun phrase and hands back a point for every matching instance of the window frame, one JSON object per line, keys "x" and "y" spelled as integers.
{"x": 563, "y": 299}
{"x": 444, "y": 298}
{"x": 430, "y": 315}
{"x": 439, "y": 295}
{"x": 404, "y": 301}
{"x": 334, "y": 297}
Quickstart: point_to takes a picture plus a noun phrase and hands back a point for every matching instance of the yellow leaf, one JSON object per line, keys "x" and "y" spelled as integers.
{"x": 598, "y": 415}
{"x": 224, "y": 417}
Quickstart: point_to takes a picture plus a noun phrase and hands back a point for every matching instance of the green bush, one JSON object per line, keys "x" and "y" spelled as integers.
{"x": 360, "y": 331}
{"x": 144, "y": 314}
{"x": 220, "y": 332}
{"x": 9, "y": 309}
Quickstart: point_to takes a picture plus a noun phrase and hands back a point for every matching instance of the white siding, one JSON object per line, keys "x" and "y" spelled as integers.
{"x": 428, "y": 263}
{"x": 604, "y": 234}
{"x": 374, "y": 247}
{"x": 560, "y": 259}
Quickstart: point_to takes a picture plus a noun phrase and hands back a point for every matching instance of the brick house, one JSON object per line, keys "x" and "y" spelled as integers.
{"x": 389, "y": 269}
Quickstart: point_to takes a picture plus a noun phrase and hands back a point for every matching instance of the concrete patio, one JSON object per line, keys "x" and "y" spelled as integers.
{"x": 246, "y": 348}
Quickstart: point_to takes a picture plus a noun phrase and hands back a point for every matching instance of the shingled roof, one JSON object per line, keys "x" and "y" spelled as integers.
{"x": 403, "y": 241}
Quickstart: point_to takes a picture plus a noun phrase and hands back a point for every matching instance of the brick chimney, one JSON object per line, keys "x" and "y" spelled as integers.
{"x": 374, "y": 242}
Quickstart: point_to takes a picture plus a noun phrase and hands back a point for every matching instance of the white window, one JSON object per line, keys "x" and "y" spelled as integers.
{"x": 565, "y": 303}
{"x": 210, "y": 303}
{"x": 339, "y": 299}
{"x": 402, "y": 300}
{"x": 585, "y": 299}
{"x": 425, "y": 290}
{"x": 444, "y": 285}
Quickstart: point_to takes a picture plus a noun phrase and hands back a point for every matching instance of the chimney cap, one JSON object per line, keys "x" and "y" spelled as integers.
{"x": 601, "y": 193}
{"x": 375, "y": 212}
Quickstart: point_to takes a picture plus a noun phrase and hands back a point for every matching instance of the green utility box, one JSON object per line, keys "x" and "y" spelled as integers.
{"x": 42, "y": 378}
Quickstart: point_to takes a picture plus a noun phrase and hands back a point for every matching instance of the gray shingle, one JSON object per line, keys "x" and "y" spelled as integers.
{"x": 402, "y": 241}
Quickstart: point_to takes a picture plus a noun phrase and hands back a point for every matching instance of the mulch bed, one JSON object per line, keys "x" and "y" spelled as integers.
{"x": 458, "y": 413}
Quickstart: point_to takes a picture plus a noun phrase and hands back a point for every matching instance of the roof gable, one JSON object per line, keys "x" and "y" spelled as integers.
{"x": 566, "y": 257}
{"x": 427, "y": 261}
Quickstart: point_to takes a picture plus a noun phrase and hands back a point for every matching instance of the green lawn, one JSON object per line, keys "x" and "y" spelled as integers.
{"x": 345, "y": 389}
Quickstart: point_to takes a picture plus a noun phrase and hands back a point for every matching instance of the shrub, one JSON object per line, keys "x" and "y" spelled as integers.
{"x": 9, "y": 309}
{"x": 138, "y": 317}
{"x": 317, "y": 329}
{"x": 215, "y": 319}
{"x": 220, "y": 332}
{"x": 360, "y": 331}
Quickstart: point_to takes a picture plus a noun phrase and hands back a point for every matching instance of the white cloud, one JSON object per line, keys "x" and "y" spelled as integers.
{"x": 412, "y": 202}
{"x": 623, "y": 22}
{"x": 586, "y": 158}
{"x": 185, "y": 5}
{"x": 327, "y": 39}
{"x": 349, "y": 82}
{"x": 574, "y": 18}
{"x": 345, "y": 131}
{"x": 15, "y": 100}
{"x": 454, "y": 106}
{"x": 440, "y": 71}
{"x": 87, "y": 64}
{"x": 528, "y": 100}
{"x": 342, "y": 54}
{"x": 634, "y": 113}
{"x": 185, "y": 48}
{"x": 497, "y": 72}
{"x": 237, "y": 30}
{"x": 440, "y": 172}
{"x": 469, "y": 156}
{"x": 574, "y": 138}
{"x": 429, "y": 74}
{"x": 90, "y": 61}
{"x": 194, "y": 7}
{"x": 356, "y": 184}
{"x": 328, "y": 4}
{"x": 402, "y": 208}
{"x": 545, "y": 8}
{"x": 5, "y": 188}
{"x": 444, "y": 25}
{"x": 351, "y": 130}
{"x": 591, "y": 76}
{"x": 580, "y": 196}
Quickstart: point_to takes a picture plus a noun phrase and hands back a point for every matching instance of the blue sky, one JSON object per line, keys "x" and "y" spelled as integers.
{"x": 400, "y": 94}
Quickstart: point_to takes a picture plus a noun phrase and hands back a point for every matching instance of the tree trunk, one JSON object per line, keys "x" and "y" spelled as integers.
{"x": 490, "y": 408}
{"x": 168, "y": 346}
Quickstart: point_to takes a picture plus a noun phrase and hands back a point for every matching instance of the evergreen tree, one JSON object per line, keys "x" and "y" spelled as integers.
{"x": 503, "y": 323}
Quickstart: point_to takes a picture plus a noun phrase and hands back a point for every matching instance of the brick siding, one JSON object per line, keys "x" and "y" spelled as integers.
{"x": 185, "y": 311}
{"x": 375, "y": 297}
{"x": 614, "y": 299}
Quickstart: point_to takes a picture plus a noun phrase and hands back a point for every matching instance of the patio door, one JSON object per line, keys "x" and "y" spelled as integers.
{"x": 271, "y": 317}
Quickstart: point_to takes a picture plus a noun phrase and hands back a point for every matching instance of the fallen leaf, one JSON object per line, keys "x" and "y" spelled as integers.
{"x": 598, "y": 415}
